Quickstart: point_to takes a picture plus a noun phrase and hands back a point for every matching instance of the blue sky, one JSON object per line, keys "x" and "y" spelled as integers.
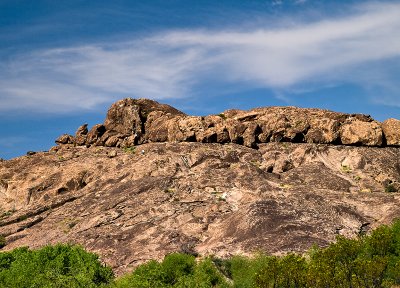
{"x": 62, "y": 63}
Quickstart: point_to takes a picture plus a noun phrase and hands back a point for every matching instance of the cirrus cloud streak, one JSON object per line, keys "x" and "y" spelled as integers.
{"x": 361, "y": 48}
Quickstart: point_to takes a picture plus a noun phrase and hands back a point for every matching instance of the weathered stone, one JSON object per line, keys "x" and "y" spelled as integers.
{"x": 65, "y": 139}
{"x": 391, "y": 130}
{"x": 250, "y": 134}
{"x": 54, "y": 149}
{"x": 95, "y": 133}
{"x": 112, "y": 141}
{"x": 80, "y": 140}
{"x": 174, "y": 133}
{"x": 222, "y": 134}
{"x": 190, "y": 127}
{"x": 81, "y": 135}
{"x": 82, "y": 130}
{"x": 203, "y": 198}
{"x": 128, "y": 116}
{"x": 145, "y": 205}
{"x": 323, "y": 130}
{"x": 235, "y": 130}
{"x": 273, "y": 128}
{"x": 207, "y": 136}
{"x": 112, "y": 154}
{"x": 157, "y": 127}
{"x": 128, "y": 141}
{"x": 356, "y": 132}
{"x": 149, "y": 121}
{"x": 124, "y": 117}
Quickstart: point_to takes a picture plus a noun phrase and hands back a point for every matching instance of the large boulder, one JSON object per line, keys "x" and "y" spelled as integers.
{"x": 156, "y": 127}
{"x": 95, "y": 134}
{"x": 356, "y": 132}
{"x": 65, "y": 139}
{"x": 128, "y": 116}
{"x": 391, "y": 130}
{"x": 323, "y": 130}
{"x": 82, "y": 130}
{"x": 138, "y": 121}
{"x": 81, "y": 135}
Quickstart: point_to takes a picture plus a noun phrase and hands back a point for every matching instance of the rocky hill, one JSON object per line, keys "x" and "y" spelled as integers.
{"x": 151, "y": 180}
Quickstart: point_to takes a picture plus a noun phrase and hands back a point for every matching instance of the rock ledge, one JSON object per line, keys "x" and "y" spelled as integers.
{"x": 137, "y": 121}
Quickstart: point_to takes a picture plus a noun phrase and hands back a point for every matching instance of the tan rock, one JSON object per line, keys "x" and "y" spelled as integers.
{"x": 80, "y": 140}
{"x": 204, "y": 198}
{"x": 190, "y": 126}
{"x": 124, "y": 117}
{"x": 235, "y": 130}
{"x": 65, "y": 139}
{"x": 391, "y": 130}
{"x": 217, "y": 199}
{"x": 128, "y": 116}
{"x": 95, "y": 133}
{"x": 356, "y": 132}
{"x": 157, "y": 127}
{"x": 250, "y": 135}
{"x": 323, "y": 130}
{"x": 174, "y": 132}
{"x": 82, "y": 130}
{"x": 149, "y": 121}
{"x": 112, "y": 141}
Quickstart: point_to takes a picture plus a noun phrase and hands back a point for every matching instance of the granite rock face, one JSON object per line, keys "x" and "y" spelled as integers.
{"x": 363, "y": 133}
{"x": 132, "y": 205}
{"x": 137, "y": 121}
{"x": 391, "y": 129}
{"x": 276, "y": 179}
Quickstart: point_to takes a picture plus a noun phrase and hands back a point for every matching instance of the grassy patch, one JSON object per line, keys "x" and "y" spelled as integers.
{"x": 130, "y": 150}
{"x": 346, "y": 169}
{"x": 390, "y": 188}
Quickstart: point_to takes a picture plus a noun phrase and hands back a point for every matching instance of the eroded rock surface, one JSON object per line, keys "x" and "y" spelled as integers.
{"x": 391, "y": 129}
{"x": 208, "y": 198}
{"x": 137, "y": 121}
{"x": 152, "y": 180}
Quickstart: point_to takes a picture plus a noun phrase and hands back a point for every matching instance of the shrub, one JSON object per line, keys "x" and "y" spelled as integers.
{"x": 390, "y": 188}
{"x": 130, "y": 150}
{"x": 222, "y": 115}
{"x": 176, "y": 270}
{"x": 53, "y": 266}
{"x": 368, "y": 261}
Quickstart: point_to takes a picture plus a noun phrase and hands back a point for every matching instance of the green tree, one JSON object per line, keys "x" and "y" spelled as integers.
{"x": 53, "y": 266}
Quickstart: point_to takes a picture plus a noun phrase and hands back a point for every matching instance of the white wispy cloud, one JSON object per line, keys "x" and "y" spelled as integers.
{"x": 176, "y": 64}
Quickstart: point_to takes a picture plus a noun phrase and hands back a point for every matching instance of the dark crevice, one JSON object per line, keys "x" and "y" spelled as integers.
{"x": 257, "y": 132}
{"x": 239, "y": 140}
{"x": 299, "y": 138}
{"x": 143, "y": 118}
{"x": 191, "y": 138}
{"x": 62, "y": 190}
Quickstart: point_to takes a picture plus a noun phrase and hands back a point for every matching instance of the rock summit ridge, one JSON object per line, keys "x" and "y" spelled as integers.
{"x": 137, "y": 121}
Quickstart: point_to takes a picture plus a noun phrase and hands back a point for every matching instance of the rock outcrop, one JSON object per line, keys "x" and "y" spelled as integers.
{"x": 152, "y": 180}
{"x": 391, "y": 129}
{"x": 137, "y": 121}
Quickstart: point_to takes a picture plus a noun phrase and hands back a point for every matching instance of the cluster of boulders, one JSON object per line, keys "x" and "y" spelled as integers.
{"x": 136, "y": 121}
